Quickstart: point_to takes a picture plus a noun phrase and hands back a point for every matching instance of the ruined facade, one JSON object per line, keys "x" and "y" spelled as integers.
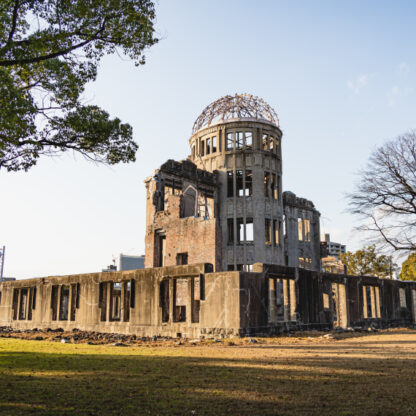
{"x": 227, "y": 253}
{"x": 234, "y": 198}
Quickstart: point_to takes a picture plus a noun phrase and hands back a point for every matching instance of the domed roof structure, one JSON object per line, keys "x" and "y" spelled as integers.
{"x": 239, "y": 106}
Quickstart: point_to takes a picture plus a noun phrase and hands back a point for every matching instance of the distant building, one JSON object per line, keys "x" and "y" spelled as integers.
{"x": 333, "y": 249}
{"x": 127, "y": 262}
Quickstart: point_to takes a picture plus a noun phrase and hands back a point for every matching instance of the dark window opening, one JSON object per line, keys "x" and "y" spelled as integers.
{"x": 230, "y": 230}
{"x": 23, "y": 304}
{"x": 202, "y": 148}
{"x": 268, "y": 231}
{"x": 164, "y": 299}
{"x": 244, "y": 183}
{"x": 73, "y": 301}
{"x": 78, "y": 295}
{"x": 15, "y": 302}
{"x": 180, "y": 296}
{"x": 248, "y": 183}
{"x": 126, "y": 301}
{"x": 102, "y": 301}
{"x": 30, "y": 303}
{"x": 368, "y": 295}
{"x": 133, "y": 293}
{"x": 64, "y": 303}
{"x": 239, "y": 182}
{"x": 196, "y": 299}
{"x": 279, "y": 294}
{"x": 208, "y": 146}
{"x": 188, "y": 203}
{"x": 230, "y": 183}
{"x": 54, "y": 302}
{"x": 34, "y": 298}
{"x": 266, "y": 184}
{"x": 181, "y": 259}
{"x": 115, "y": 301}
{"x": 160, "y": 245}
{"x": 230, "y": 267}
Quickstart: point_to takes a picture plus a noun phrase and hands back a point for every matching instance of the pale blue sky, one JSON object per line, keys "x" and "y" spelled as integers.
{"x": 340, "y": 74}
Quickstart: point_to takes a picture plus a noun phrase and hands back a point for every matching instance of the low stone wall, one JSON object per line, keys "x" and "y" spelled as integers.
{"x": 191, "y": 301}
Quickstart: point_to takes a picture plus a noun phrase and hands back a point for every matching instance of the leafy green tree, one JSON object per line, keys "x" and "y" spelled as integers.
{"x": 408, "y": 271}
{"x": 49, "y": 51}
{"x": 366, "y": 262}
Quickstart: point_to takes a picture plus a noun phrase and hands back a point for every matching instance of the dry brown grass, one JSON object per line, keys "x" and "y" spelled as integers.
{"x": 352, "y": 375}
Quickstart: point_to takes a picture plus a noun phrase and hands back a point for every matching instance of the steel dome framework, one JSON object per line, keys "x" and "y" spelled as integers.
{"x": 239, "y": 106}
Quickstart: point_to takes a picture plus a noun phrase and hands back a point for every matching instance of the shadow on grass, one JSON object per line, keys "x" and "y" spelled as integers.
{"x": 95, "y": 384}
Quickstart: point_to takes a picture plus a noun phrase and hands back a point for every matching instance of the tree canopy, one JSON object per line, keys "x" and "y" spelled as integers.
{"x": 49, "y": 51}
{"x": 385, "y": 197}
{"x": 408, "y": 271}
{"x": 366, "y": 262}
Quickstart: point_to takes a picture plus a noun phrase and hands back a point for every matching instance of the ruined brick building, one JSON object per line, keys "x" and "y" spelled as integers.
{"x": 227, "y": 252}
{"x": 224, "y": 205}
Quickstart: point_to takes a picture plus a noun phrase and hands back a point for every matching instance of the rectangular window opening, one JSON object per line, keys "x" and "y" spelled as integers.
{"x": 180, "y": 290}
{"x": 265, "y": 140}
{"x": 268, "y": 231}
{"x": 276, "y": 232}
{"x": 214, "y": 144}
{"x": 248, "y": 183}
{"x": 274, "y": 186}
{"x": 248, "y": 139}
{"x": 115, "y": 301}
{"x": 230, "y": 183}
{"x": 300, "y": 229}
{"x": 126, "y": 300}
{"x": 229, "y": 144}
{"x": 239, "y": 140}
{"x": 181, "y": 259}
{"x": 307, "y": 226}
{"x": 249, "y": 230}
{"x": 54, "y": 302}
{"x": 164, "y": 299}
{"x": 23, "y": 303}
{"x": 208, "y": 146}
{"x": 196, "y": 298}
{"x": 73, "y": 301}
{"x": 230, "y": 230}
{"x": 102, "y": 301}
{"x": 64, "y": 303}
{"x": 266, "y": 184}
{"x": 239, "y": 182}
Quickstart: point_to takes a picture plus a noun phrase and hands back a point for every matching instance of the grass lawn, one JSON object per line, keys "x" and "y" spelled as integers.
{"x": 361, "y": 375}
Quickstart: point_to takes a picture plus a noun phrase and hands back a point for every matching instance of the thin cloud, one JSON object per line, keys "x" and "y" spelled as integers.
{"x": 403, "y": 69}
{"x": 359, "y": 83}
{"x": 396, "y": 93}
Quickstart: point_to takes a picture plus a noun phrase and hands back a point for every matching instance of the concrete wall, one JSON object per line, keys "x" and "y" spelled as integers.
{"x": 193, "y": 301}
